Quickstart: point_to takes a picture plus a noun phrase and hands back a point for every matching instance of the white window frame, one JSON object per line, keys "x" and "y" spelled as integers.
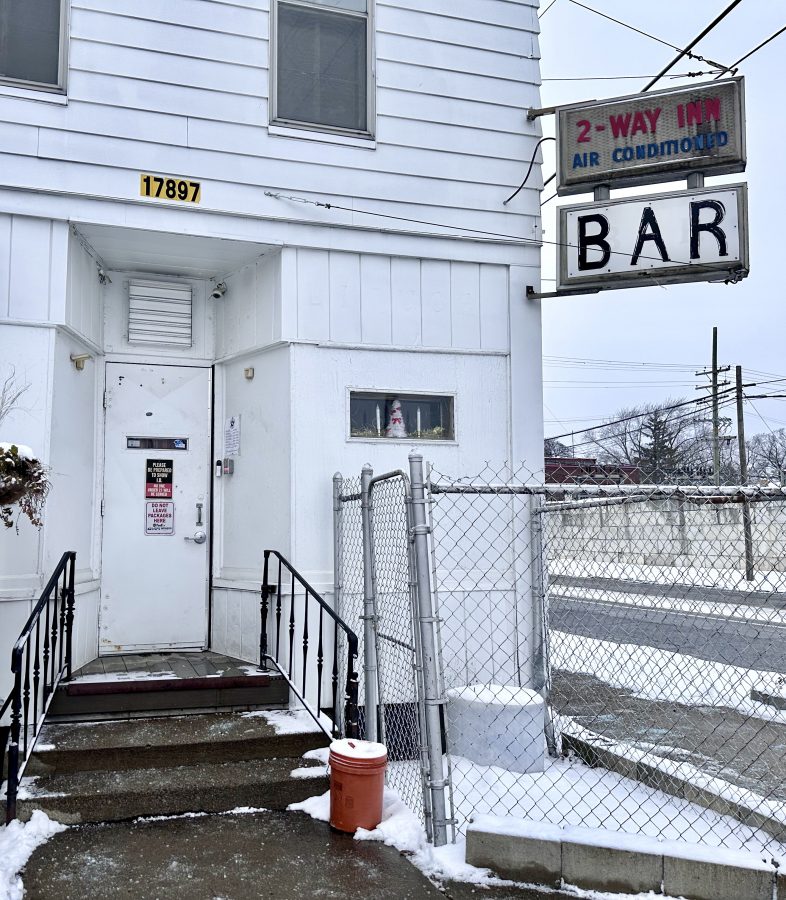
{"x": 62, "y": 71}
{"x": 381, "y": 392}
{"x": 315, "y": 128}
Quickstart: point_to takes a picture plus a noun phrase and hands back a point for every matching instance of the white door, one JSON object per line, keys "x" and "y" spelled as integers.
{"x": 156, "y": 489}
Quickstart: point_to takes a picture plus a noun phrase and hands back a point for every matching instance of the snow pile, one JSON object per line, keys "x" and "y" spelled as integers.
{"x": 399, "y": 828}
{"x": 317, "y": 807}
{"x": 22, "y": 450}
{"x": 17, "y": 843}
{"x": 289, "y": 721}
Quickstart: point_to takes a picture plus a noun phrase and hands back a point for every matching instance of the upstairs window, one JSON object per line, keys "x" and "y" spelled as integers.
{"x": 322, "y": 64}
{"x": 31, "y": 43}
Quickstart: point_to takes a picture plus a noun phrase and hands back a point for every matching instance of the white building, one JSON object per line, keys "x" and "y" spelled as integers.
{"x": 408, "y": 117}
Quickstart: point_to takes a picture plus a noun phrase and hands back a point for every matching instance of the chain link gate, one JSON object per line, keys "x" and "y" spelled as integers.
{"x": 377, "y": 583}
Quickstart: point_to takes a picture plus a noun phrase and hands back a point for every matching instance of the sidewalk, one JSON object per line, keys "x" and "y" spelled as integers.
{"x": 270, "y": 855}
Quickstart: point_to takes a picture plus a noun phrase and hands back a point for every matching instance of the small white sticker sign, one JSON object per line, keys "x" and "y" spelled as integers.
{"x": 232, "y": 436}
{"x": 160, "y": 517}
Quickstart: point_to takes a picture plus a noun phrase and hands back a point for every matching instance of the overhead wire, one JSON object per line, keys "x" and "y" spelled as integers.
{"x": 722, "y": 71}
{"x": 715, "y": 22}
{"x": 543, "y": 13}
{"x": 756, "y": 49}
{"x": 507, "y": 238}
{"x": 706, "y": 401}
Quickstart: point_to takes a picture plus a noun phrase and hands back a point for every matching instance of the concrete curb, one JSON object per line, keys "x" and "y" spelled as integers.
{"x": 595, "y": 754}
{"x": 592, "y": 859}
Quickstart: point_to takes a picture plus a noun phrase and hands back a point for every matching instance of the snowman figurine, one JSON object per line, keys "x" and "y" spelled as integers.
{"x": 396, "y": 427}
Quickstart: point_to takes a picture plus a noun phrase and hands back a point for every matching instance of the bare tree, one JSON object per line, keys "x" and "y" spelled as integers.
{"x": 668, "y": 441}
{"x": 767, "y": 455}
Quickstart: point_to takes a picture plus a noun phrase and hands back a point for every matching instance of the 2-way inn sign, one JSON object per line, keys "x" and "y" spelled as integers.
{"x": 698, "y": 235}
{"x": 646, "y": 138}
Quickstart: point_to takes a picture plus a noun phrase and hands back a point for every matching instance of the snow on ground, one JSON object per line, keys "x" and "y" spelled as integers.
{"x": 401, "y": 828}
{"x": 747, "y": 799}
{"x": 17, "y": 842}
{"x": 568, "y": 792}
{"x": 289, "y": 721}
{"x": 98, "y": 678}
{"x": 663, "y": 675}
{"x": 726, "y": 579}
{"x": 739, "y": 612}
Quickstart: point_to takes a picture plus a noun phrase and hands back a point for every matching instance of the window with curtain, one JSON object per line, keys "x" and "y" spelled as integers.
{"x": 30, "y": 41}
{"x": 322, "y": 64}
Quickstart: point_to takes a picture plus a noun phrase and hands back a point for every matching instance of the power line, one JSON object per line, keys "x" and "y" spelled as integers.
{"x": 630, "y": 77}
{"x": 624, "y": 363}
{"x": 700, "y": 401}
{"x": 625, "y": 24}
{"x": 717, "y": 20}
{"x": 758, "y": 47}
{"x": 541, "y": 14}
{"x": 508, "y": 238}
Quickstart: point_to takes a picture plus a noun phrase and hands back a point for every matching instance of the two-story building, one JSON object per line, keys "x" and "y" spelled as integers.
{"x": 245, "y": 244}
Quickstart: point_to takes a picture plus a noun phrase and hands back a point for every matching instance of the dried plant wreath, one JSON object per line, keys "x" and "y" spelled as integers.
{"x": 24, "y": 481}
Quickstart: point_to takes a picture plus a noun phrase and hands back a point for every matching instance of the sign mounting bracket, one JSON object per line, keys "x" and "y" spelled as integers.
{"x": 532, "y": 294}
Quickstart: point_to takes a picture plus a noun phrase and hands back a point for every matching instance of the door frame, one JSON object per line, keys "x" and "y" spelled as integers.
{"x": 162, "y": 362}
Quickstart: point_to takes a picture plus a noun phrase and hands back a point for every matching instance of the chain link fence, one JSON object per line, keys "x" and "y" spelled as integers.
{"x": 614, "y": 655}
{"x": 382, "y": 568}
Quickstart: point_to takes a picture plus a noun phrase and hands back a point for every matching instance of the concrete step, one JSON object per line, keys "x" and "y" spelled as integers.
{"x": 166, "y": 741}
{"x": 77, "y": 797}
{"x": 90, "y": 700}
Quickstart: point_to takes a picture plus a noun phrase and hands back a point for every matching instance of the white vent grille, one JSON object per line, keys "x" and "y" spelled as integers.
{"x": 159, "y": 314}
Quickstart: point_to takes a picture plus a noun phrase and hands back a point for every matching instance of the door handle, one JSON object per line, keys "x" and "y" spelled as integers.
{"x": 199, "y": 537}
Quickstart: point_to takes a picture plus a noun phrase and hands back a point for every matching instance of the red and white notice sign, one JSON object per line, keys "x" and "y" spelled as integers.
{"x": 160, "y": 517}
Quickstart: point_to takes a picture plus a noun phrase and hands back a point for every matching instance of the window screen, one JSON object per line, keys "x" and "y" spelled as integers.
{"x": 30, "y": 40}
{"x": 321, "y": 64}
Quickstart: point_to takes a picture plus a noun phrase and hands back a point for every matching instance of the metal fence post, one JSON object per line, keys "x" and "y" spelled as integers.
{"x": 540, "y": 660}
{"x": 369, "y": 624}
{"x": 338, "y": 483}
{"x": 431, "y": 679}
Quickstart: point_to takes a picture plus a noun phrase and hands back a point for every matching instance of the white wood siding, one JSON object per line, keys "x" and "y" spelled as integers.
{"x": 361, "y": 299}
{"x": 33, "y": 266}
{"x": 181, "y": 87}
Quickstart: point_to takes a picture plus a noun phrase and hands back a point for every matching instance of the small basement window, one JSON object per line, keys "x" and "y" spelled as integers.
{"x": 425, "y": 417}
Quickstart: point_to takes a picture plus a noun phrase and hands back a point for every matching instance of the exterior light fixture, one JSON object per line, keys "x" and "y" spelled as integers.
{"x": 79, "y": 360}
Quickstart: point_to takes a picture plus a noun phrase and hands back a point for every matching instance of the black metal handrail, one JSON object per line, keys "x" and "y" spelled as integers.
{"x": 299, "y": 681}
{"x": 40, "y": 660}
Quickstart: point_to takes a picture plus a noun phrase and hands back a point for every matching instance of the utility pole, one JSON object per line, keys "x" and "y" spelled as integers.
{"x": 714, "y": 372}
{"x": 746, "y": 504}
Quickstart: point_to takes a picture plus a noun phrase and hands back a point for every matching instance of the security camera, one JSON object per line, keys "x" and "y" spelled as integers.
{"x": 219, "y": 290}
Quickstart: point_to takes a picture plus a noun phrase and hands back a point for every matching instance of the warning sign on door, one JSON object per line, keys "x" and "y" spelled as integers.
{"x": 158, "y": 479}
{"x": 160, "y": 517}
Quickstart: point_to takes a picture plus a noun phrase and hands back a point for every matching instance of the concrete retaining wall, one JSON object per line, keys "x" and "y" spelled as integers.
{"x": 592, "y": 859}
{"x": 671, "y": 533}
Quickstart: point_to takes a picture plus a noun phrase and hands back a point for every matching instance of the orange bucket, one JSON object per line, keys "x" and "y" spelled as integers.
{"x": 357, "y": 783}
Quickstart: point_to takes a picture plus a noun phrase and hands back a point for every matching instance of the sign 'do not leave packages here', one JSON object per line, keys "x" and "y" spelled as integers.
{"x": 642, "y": 241}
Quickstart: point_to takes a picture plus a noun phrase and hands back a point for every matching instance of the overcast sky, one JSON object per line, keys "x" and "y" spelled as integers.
{"x": 668, "y": 326}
